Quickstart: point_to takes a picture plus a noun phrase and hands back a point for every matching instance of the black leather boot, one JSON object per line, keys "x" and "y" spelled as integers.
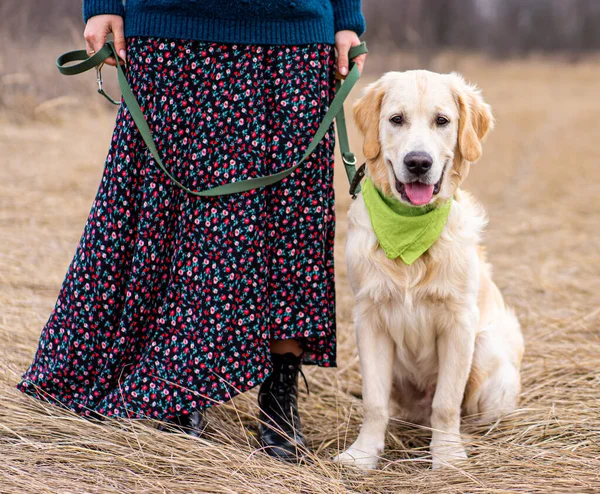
{"x": 192, "y": 424}
{"x": 279, "y": 429}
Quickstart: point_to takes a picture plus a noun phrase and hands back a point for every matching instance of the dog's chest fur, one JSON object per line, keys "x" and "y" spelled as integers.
{"x": 414, "y": 303}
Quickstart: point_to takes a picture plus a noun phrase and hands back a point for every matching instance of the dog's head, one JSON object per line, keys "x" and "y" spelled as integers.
{"x": 422, "y": 130}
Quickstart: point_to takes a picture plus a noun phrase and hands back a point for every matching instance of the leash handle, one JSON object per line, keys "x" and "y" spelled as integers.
{"x": 336, "y": 108}
{"x": 96, "y": 61}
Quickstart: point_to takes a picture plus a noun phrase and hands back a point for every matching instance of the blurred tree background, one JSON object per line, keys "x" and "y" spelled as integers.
{"x": 498, "y": 27}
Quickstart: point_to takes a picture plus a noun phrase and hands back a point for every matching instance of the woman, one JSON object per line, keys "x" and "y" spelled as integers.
{"x": 173, "y": 302}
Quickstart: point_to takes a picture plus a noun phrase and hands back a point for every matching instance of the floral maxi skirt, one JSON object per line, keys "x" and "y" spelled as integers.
{"x": 171, "y": 299}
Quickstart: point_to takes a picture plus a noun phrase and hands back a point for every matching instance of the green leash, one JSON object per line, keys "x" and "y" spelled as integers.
{"x": 335, "y": 109}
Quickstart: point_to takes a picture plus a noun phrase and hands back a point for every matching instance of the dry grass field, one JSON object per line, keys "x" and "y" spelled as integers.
{"x": 539, "y": 180}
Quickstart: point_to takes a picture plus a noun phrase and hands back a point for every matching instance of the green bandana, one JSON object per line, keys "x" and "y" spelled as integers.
{"x": 403, "y": 231}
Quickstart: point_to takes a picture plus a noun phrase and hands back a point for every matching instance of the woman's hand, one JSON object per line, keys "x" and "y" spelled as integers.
{"x": 97, "y": 30}
{"x": 344, "y": 40}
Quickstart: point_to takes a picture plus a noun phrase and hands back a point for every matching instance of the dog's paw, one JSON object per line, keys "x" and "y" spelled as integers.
{"x": 443, "y": 456}
{"x": 356, "y": 458}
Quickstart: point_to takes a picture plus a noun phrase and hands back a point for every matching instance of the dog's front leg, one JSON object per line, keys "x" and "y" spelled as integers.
{"x": 376, "y": 351}
{"x": 455, "y": 346}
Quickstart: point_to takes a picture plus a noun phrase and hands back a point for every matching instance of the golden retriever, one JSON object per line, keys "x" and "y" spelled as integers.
{"x": 434, "y": 337}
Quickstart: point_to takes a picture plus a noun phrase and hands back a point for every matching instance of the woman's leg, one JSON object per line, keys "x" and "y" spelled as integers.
{"x": 300, "y": 233}
{"x": 280, "y": 429}
{"x": 286, "y": 346}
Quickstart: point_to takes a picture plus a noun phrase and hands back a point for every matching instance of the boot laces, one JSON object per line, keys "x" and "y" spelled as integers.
{"x": 284, "y": 388}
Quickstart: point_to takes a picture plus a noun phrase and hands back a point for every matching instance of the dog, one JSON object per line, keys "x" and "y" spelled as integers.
{"x": 435, "y": 338}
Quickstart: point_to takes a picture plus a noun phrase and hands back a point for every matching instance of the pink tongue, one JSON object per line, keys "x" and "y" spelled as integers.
{"x": 419, "y": 193}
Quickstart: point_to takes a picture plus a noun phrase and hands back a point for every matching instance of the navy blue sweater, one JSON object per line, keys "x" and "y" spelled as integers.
{"x": 273, "y": 22}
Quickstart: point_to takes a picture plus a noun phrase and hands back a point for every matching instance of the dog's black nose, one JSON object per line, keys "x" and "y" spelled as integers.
{"x": 418, "y": 163}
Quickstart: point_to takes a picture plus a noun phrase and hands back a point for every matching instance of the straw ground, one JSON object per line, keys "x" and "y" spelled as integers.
{"x": 539, "y": 181}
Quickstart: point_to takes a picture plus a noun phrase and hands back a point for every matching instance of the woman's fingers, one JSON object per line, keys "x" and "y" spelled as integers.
{"x": 344, "y": 40}
{"x": 119, "y": 37}
{"x": 97, "y": 30}
{"x": 343, "y": 61}
{"x": 93, "y": 42}
{"x": 360, "y": 61}
{"x": 89, "y": 48}
{"x": 343, "y": 47}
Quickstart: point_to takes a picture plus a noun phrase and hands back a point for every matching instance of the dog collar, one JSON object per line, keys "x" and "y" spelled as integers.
{"x": 403, "y": 231}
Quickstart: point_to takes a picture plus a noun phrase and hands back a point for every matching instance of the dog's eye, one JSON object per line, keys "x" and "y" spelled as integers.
{"x": 441, "y": 121}
{"x": 397, "y": 119}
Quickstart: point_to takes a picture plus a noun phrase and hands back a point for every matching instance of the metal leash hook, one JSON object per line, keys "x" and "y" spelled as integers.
{"x": 356, "y": 179}
{"x": 99, "y": 77}
{"x": 99, "y": 82}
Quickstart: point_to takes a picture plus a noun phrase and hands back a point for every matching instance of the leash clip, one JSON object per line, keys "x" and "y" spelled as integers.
{"x": 356, "y": 179}
{"x": 99, "y": 78}
{"x": 100, "y": 88}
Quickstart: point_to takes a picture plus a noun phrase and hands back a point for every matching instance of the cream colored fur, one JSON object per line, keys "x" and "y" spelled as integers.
{"x": 434, "y": 338}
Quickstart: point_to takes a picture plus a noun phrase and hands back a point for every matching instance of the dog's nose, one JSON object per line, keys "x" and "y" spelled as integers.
{"x": 418, "y": 163}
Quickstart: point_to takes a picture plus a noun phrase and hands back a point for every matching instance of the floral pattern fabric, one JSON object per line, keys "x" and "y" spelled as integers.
{"x": 171, "y": 299}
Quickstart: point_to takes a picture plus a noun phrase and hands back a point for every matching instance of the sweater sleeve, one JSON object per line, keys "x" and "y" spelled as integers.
{"x": 348, "y": 15}
{"x": 102, "y": 7}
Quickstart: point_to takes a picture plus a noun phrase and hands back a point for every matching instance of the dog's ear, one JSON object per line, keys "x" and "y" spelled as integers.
{"x": 476, "y": 118}
{"x": 366, "y": 115}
